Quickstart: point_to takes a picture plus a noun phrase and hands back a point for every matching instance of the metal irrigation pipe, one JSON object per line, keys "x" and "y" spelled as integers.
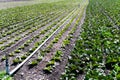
{"x": 21, "y": 64}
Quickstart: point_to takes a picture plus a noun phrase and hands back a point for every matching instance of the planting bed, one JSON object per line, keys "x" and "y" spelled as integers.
{"x": 61, "y": 40}
{"x": 96, "y": 53}
{"x": 38, "y": 35}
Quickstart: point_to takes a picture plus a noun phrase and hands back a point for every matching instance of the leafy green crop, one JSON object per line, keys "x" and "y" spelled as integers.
{"x": 3, "y": 76}
{"x": 96, "y": 53}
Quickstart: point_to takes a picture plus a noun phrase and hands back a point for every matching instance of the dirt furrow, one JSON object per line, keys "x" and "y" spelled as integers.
{"x": 22, "y": 34}
{"x": 31, "y": 45}
{"x": 2, "y": 66}
{"x": 61, "y": 67}
{"x": 32, "y": 72}
{"x": 20, "y": 42}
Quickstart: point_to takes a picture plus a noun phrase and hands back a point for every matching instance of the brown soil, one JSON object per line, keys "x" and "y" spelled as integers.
{"x": 31, "y": 44}
{"x": 37, "y": 70}
{"x": 20, "y": 42}
{"x": 61, "y": 67}
{"x": 36, "y": 73}
{"x": 15, "y": 46}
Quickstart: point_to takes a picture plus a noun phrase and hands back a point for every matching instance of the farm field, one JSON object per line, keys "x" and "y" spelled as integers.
{"x": 5, "y": 4}
{"x": 34, "y": 37}
{"x": 60, "y": 40}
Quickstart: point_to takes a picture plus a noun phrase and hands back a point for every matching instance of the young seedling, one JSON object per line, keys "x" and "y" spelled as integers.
{"x": 11, "y": 54}
{"x": 39, "y": 58}
{"x": 3, "y": 58}
{"x": 16, "y": 60}
{"x": 23, "y": 57}
{"x": 17, "y": 51}
{"x": 48, "y": 69}
{"x": 33, "y": 63}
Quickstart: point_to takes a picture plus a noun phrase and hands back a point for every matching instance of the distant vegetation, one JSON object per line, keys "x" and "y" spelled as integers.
{"x": 4, "y": 4}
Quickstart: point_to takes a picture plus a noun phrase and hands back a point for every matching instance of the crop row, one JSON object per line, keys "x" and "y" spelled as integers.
{"x": 59, "y": 27}
{"x": 24, "y": 50}
{"x": 34, "y": 62}
{"x": 33, "y": 22}
{"x": 62, "y": 30}
{"x": 24, "y": 32}
{"x": 112, "y": 10}
{"x": 53, "y": 47}
{"x": 21, "y": 14}
{"x": 24, "y": 29}
{"x": 30, "y": 45}
{"x": 96, "y": 53}
{"x": 56, "y": 59}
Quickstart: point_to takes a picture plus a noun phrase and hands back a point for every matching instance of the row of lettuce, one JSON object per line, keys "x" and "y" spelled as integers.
{"x": 97, "y": 51}
{"x": 20, "y": 14}
{"x": 43, "y": 18}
